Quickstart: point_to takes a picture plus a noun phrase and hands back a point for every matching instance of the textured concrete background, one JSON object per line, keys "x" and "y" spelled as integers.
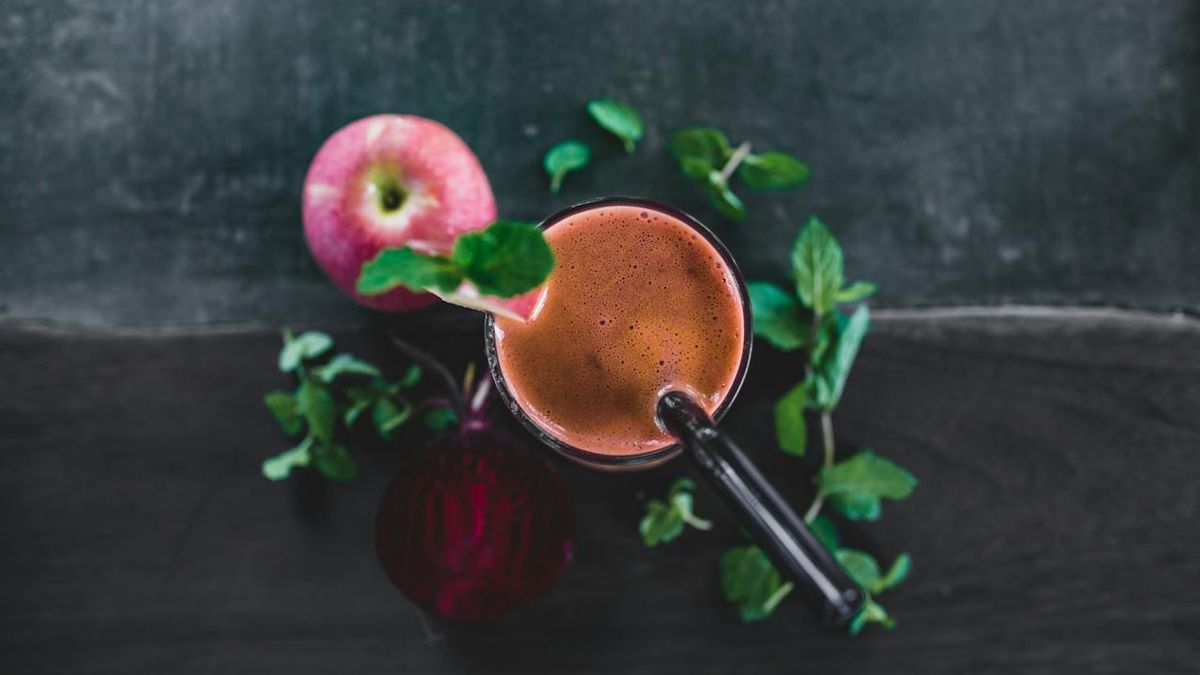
{"x": 152, "y": 152}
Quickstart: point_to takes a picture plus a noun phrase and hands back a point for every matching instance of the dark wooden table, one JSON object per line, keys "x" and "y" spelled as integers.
{"x": 1054, "y": 529}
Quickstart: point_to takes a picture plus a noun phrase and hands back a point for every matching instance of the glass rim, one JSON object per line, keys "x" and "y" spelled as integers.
{"x": 653, "y": 457}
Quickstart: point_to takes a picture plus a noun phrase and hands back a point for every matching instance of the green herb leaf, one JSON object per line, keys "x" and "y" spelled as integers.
{"x": 334, "y": 462}
{"x": 680, "y": 497}
{"x": 317, "y": 406}
{"x": 564, "y": 158}
{"x": 388, "y": 416}
{"x": 855, "y": 486}
{"x": 857, "y": 506}
{"x": 864, "y": 569}
{"x": 749, "y": 581}
{"x": 826, "y": 532}
{"x": 872, "y": 612}
{"x": 818, "y": 265}
{"x": 697, "y": 169}
{"x": 701, "y": 143}
{"x": 773, "y": 171}
{"x": 285, "y": 408}
{"x": 405, "y": 267}
{"x": 859, "y": 290}
{"x": 619, "y": 119}
{"x": 832, "y": 366}
{"x": 724, "y": 201}
{"x": 297, "y": 349}
{"x": 791, "y": 430}
{"x": 664, "y": 520}
{"x": 440, "y": 418}
{"x": 777, "y": 316}
{"x": 506, "y": 259}
{"x": 661, "y": 524}
{"x": 281, "y": 465}
{"x": 861, "y": 567}
{"x": 897, "y": 573}
{"x": 344, "y": 364}
{"x": 411, "y": 378}
{"x": 356, "y": 409}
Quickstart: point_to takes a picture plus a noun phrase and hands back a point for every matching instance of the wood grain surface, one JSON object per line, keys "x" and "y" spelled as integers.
{"x": 1053, "y": 531}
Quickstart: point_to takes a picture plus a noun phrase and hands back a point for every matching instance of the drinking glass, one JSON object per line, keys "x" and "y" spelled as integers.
{"x": 771, "y": 522}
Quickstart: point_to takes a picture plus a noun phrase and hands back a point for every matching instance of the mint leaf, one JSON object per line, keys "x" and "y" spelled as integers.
{"x": 696, "y": 169}
{"x": 297, "y": 349}
{"x": 818, "y": 265}
{"x": 832, "y": 363}
{"x": 405, "y": 267}
{"x": 857, "y": 506}
{"x": 344, "y": 364}
{"x": 773, "y": 171}
{"x": 388, "y": 416}
{"x": 856, "y": 486}
{"x": 859, "y": 290}
{"x": 750, "y": 581}
{"x": 440, "y": 418}
{"x": 356, "y": 409}
{"x": 777, "y": 316}
{"x": 661, "y": 524}
{"x": 563, "y": 158}
{"x": 316, "y": 404}
{"x": 281, "y": 465}
{"x": 680, "y": 497}
{"x": 872, "y": 612}
{"x": 826, "y": 532}
{"x": 791, "y": 430}
{"x": 897, "y": 573}
{"x": 865, "y": 571}
{"x": 664, "y": 520}
{"x": 506, "y": 259}
{"x": 411, "y": 378}
{"x": 861, "y": 567}
{"x": 334, "y": 462}
{"x": 286, "y": 410}
{"x": 619, "y": 119}
{"x": 700, "y": 143}
{"x": 723, "y": 200}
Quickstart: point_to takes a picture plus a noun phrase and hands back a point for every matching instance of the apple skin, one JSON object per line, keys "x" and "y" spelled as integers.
{"x": 369, "y": 166}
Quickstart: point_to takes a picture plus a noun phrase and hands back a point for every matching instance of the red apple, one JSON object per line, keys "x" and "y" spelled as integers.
{"x": 389, "y": 181}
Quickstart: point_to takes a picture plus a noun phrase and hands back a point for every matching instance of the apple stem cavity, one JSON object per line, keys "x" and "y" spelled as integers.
{"x": 387, "y": 189}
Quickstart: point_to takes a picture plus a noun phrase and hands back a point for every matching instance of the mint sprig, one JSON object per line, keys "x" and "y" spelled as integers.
{"x": 749, "y": 581}
{"x": 808, "y": 319}
{"x": 504, "y": 260}
{"x": 619, "y": 119}
{"x": 708, "y": 159}
{"x": 666, "y": 519}
{"x": 330, "y": 396}
{"x": 564, "y": 158}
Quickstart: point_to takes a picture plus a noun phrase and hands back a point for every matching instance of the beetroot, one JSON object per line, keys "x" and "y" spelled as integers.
{"x": 475, "y": 524}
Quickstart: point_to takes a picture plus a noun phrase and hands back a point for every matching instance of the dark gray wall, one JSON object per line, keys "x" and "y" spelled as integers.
{"x": 151, "y": 153}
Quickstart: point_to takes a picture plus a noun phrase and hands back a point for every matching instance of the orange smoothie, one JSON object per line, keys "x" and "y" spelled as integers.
{"x": 639, "y": 304}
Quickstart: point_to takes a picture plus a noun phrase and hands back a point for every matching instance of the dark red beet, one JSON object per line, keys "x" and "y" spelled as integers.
{"x": 475, "y": 525}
